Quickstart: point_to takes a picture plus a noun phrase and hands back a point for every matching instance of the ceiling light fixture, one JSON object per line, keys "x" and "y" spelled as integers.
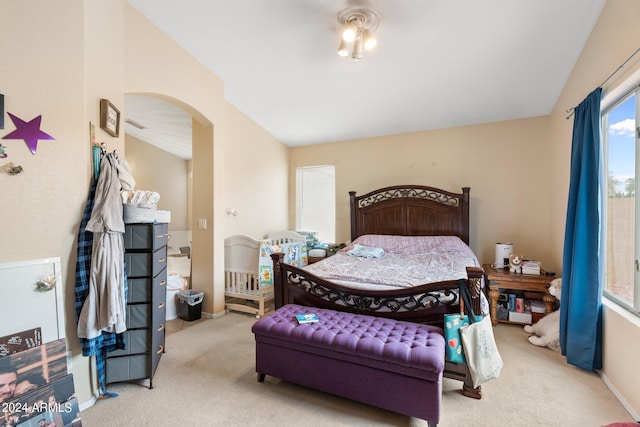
{"x": 358, "y": 25}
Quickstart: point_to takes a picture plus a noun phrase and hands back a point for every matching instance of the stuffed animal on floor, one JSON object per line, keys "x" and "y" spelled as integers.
{"x": 515, "y": 263}
{"x": 546, "y": 332}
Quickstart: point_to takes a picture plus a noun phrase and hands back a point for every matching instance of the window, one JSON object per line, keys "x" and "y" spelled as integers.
{"x": 621, "y": 214}
{"x": 316, "y": 201}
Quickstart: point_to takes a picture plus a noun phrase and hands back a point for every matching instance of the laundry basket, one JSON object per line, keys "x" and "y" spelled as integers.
{"x": 136, "y": 213}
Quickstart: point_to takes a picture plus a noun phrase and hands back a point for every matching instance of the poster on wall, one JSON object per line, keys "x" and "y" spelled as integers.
{"x": 20, "y": 341}
{"x": 40, "y": 306}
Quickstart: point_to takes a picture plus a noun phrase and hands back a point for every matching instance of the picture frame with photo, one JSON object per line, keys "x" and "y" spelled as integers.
{"x": 109, "y": 118}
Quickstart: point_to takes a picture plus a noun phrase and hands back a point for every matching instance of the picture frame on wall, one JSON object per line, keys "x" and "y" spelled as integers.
{"x": 109, "y": 118}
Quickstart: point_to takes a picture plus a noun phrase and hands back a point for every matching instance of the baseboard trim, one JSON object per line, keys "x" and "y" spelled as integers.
{"x": 88, "y": 404}
{"x": 213, "y": 316}
{"x": 619, "y": 396}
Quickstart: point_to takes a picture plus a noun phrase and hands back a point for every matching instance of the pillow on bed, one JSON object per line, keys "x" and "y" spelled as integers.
{"x": 406, "y": 245}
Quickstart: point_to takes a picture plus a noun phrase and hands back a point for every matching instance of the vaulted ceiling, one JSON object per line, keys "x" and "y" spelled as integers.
{"x": 438, "y": 64}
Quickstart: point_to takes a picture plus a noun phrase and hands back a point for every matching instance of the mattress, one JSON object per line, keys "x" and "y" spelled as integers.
{"x": 407, "y": 261}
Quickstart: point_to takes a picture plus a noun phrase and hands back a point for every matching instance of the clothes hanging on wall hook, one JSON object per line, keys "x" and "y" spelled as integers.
{"x": 98, "y": 152}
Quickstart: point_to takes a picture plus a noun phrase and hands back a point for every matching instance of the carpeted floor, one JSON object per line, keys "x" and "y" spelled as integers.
{"x": 207, "y": 378}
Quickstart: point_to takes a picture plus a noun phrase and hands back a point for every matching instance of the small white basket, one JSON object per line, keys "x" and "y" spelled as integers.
{"x": 134, "y": 213}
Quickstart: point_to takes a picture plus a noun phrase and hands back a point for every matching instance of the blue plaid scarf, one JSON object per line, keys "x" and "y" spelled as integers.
{"x": 106, "y": 342}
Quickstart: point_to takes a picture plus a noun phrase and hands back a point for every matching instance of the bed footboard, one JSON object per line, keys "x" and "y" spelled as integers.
{"x": 424, "y": 304}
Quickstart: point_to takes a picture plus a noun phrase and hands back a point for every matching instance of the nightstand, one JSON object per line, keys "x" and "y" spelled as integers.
{"x": 502, "y": 278}
{"x": 329, "y": 251}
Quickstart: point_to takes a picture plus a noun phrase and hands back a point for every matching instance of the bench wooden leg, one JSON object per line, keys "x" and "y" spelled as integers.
{"x": 260, "y": 377}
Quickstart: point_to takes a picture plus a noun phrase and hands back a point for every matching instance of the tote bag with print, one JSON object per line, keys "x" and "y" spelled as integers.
{"x": 453, "y": 345}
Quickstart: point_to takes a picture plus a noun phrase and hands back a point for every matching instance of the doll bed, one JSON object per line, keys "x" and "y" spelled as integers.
{"x": 407, "y": 210}
{"x": 248, "y": 278}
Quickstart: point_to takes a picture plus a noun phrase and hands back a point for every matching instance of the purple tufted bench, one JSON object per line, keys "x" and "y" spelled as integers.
{"x": 390, "y": 364}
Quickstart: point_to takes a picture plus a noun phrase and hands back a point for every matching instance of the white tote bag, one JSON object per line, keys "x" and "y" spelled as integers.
{"x": 481, "y": 352}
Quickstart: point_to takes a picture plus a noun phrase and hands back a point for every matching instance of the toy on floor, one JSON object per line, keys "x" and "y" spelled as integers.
{"x": 515, "y": 263}
{"x": 546, "y": 332}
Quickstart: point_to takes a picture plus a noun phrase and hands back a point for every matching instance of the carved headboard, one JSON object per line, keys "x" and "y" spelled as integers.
{"x": 411, "y": 210}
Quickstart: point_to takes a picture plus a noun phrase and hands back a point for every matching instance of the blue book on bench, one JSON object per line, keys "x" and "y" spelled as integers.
{"x": 306, "y": 318}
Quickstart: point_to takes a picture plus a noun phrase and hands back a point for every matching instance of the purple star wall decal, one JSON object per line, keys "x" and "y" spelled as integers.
{"x": 28, "y": 131}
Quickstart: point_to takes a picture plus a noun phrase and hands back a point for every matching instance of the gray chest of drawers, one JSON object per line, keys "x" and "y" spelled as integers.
{"x": 146, "y": 266}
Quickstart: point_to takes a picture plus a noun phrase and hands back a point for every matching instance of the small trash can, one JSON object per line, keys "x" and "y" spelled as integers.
{"x": 190, "y": 305}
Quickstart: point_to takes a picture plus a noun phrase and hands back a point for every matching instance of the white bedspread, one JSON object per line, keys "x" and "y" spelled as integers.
{"x": 407, "y": 261}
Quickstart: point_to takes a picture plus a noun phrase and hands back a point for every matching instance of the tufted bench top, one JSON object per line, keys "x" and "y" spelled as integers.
{"x": 408, "y": 348}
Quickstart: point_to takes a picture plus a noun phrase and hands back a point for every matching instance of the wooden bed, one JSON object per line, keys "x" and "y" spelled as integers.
{"x": 405, "y": 210}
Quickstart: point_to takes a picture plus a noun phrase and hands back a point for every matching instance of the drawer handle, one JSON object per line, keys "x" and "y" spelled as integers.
{"x": 161, "y": 305}
{"x": 167, "y": 235}
{"x": 161, "y": 260}
{"x": 163, "y": 282}
{"x": 160, "y": 350}
{"x": 161, "y": 327}
{"x": 160, "y": 236}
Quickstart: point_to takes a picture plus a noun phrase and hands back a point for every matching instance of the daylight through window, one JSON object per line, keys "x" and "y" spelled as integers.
{"x": 620, "y": 138}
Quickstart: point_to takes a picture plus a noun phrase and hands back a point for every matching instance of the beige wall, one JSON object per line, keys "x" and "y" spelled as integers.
{"x": 613, "y": 39}
{"x": 256, "y": 165}
{"x": 165, "y": 173}
{"x": 42, "y": 207}
{"x": 504, "y": 163}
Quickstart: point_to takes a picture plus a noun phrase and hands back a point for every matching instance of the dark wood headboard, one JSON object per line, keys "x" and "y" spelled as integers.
{"x": 411, "y": 210}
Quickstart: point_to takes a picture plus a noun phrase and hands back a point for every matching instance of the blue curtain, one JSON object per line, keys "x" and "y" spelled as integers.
{"x": 581, "y": 303}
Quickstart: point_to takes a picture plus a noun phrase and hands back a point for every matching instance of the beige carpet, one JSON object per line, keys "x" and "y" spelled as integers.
{"x": 207, "y": 378}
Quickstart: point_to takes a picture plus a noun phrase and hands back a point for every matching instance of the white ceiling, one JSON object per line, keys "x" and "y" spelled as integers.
{"x": 438, "y": 64}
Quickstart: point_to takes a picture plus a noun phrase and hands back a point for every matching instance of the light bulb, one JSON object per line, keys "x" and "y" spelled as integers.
{"x": 369, "y": 41}
{"x": 349, "y": 33}
{"x": 343, "y": 51}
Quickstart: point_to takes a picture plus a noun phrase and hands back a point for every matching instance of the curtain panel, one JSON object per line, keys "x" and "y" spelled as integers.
{"x": 581, "y": 306}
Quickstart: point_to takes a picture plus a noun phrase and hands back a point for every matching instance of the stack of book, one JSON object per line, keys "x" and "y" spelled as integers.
{"x": 531, "y": 267}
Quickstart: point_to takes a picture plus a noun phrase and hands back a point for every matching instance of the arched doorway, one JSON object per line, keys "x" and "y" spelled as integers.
{"x": 170, "y": 146}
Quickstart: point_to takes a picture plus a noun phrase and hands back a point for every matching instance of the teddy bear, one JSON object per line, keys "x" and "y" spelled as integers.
{"x": 515, "y": 263}
{"x": 546, "y": 332}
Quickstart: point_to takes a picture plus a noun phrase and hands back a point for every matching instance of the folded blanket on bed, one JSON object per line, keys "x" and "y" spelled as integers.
{"x": 366, "y": 251}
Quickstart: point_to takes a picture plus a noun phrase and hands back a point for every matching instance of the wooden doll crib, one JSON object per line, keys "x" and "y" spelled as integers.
{"x": 242, "y": 289}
